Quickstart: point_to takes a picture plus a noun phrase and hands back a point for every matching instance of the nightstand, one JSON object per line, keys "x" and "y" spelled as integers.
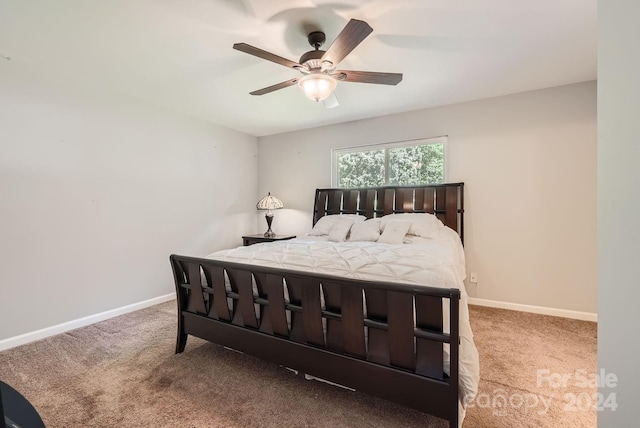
{"x": 255, "y": 239}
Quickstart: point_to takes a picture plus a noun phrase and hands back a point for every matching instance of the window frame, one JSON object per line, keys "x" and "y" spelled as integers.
{"x": 385, "y": 146}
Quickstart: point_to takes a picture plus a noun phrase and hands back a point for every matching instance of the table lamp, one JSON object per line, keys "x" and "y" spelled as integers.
{"x": 269, "y": 203}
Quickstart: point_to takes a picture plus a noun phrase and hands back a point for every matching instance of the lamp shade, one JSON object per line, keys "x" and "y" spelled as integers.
{"x": 269, "y": 203}
{"x": 317, "y": 86}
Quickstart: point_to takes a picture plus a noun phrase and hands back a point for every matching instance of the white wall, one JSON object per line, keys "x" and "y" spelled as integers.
{"x": 97, "y": 190}
{"x": 529, "y": 166}
{"x": 619, "y": 206}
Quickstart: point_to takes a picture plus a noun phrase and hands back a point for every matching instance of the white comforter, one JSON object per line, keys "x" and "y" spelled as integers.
{"x": 435, "y": 262}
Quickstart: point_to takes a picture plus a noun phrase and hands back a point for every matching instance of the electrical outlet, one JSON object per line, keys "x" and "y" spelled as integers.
{"x": 473, "y": 278}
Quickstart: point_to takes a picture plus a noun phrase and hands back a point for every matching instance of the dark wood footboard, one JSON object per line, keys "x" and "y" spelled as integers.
{"x": 381, "y": 338}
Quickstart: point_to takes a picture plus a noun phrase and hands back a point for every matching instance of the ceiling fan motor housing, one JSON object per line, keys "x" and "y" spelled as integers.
{"x": 313, "y": 58}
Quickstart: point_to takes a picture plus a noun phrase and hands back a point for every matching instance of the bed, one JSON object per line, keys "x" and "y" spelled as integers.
{"x": 387, "y": 319}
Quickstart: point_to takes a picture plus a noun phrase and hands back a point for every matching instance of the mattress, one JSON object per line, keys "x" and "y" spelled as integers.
{"x": 435, "y": 262}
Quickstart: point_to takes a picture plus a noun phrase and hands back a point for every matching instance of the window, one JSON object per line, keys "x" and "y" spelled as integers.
{"x": 404, "y": 163}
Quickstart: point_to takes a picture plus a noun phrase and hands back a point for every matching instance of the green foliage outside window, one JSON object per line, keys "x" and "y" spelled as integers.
{"x": 361, "y": 169}
{"x": 416, "y": 165}
{"x": 412, "y": 165}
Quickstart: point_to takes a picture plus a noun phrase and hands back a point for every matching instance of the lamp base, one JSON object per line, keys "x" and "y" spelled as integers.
{"x": 269, "y": 233}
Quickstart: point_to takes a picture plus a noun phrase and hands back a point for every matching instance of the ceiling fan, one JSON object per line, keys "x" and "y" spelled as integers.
{"x": 318, "y": 67}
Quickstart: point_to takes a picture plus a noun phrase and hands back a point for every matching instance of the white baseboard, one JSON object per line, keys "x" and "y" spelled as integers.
{"x": 564, "y": 313}
{"x": 22, "y": 339}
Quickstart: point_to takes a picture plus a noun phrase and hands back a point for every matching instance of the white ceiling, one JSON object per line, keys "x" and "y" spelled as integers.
{"x": 178, "y": 53}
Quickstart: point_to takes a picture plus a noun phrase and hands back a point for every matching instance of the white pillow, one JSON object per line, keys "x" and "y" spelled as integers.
{"x": 424, "y": 225}
{"x": 368, "y": 230}
{"x": 324, "y": 224}
{"x": 340, "y": 229}
{"x": 394, "y": 232}
{"x": 419, "y": 240}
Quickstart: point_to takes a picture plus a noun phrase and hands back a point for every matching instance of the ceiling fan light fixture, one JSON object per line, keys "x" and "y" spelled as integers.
{"x": 317, "y": 86}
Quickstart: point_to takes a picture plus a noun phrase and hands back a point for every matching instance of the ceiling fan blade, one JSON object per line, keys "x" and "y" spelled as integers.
{"x": 275, "y": 87}
{"x": 331, "y": 101}
{"x": 350, "y": 37}
{"x": 368, "y": 77}
{"x": 252, "y": 50}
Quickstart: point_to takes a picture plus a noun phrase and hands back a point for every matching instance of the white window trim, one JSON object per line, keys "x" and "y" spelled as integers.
{"x": 406, "y": 143}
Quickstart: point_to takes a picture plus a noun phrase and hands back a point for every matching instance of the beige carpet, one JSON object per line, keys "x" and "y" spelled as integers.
{"x": 122, "y": 372}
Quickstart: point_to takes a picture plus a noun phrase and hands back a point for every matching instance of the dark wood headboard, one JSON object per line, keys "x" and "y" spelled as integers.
{"x": 444, "y": 200}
